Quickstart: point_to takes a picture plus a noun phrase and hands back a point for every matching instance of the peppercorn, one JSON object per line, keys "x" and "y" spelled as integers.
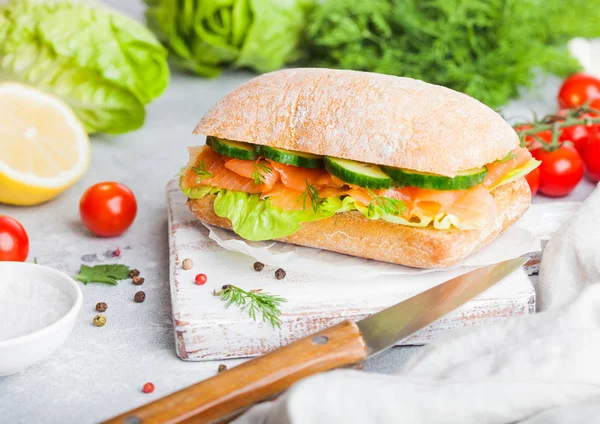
{"x": 148, "y": 388}
{"x": 101, "y": 306}
{"x": 280, "y": 274}
{"x": 187, "y": 264}
{"x": 139, "y": 297}
{"x": 258, "y": 266}
{"x": 222, "y": 367}
{"x": 99, "y": 320}
{"x": 138, "y": 281}
{"x": 117, "y": 252}
{"x": 201, "y": 279}
{"x": 133, "y": 273}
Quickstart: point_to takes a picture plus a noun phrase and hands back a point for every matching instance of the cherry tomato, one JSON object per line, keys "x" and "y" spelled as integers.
{"x": 530, "y": 141}
{"x": 108, "y": 209}
{"x": 14, "y": 242}
{"x": 560, "y": 171}
{"x": 578, "y": 134}
{"x": 578, "y": 89}
{"x": 533, "y": 179}
{"x": 591, "y": 157}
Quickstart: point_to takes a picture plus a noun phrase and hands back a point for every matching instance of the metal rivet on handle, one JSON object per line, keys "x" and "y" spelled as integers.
{"x": 320, "y": 340}
{"x": 133, "y": 420}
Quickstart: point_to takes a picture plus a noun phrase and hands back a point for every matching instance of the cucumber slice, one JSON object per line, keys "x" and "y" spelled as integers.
{"x": 289, "y": 157}
{"x": 232, "y": 149}
{"x": 358, "y": 173}
{"x": 462, "y": 181}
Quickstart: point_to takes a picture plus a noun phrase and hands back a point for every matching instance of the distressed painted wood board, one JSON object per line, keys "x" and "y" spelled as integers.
{"x": 205, "y": 330}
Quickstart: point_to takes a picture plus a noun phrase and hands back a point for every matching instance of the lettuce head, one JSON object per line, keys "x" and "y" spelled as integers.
{"x": 106, "y": 66}
{"x": 204, "y": 36}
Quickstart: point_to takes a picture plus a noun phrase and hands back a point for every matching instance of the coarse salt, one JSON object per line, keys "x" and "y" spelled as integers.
{"x": 28, "y": 306}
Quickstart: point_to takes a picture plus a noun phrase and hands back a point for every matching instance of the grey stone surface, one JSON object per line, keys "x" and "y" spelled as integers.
{"x": 100, "y": 372}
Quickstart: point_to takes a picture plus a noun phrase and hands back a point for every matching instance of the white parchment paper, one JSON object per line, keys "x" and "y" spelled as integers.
{"x": 523, "y": 237}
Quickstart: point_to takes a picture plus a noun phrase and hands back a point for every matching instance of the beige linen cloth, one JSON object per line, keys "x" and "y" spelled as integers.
{"x": 543, "y": 368}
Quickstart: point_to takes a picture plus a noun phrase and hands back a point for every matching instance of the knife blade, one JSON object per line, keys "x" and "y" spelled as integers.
{"x": 387, "y": 327}
{"x": 226, "y": 395}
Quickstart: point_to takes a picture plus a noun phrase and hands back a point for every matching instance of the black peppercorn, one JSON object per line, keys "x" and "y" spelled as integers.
{"x": 134, "y": 273}
{"x": 101, "y": 306}
{"x": 280, "y": 274}
{"x": 222, "y": 367}
{"x": 139, "y": 297}
{"x": 258, "y": 266}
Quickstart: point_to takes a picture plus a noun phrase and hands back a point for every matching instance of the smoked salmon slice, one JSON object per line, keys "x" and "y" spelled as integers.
{"x": 498, "y": 170}
{"x": 286, "y": 198}
{"x": 476, "y": 207}
{"x": 209, "y": 169}
{"x": 296, "y": 178}
{"x": 249, "y": 168}
{"x": 286, "y": 186}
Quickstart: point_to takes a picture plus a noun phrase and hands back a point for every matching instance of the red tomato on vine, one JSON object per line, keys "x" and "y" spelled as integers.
{"x": 578, "y": 89}
{"x": 560, "y": 171}
{"x": 591, "y": 157}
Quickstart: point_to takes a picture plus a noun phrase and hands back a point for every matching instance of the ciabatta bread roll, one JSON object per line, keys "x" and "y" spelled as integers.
{"x": 381, "y": 167}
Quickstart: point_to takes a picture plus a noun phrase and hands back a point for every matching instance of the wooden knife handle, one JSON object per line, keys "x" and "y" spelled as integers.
{"x": 230, "y": 392}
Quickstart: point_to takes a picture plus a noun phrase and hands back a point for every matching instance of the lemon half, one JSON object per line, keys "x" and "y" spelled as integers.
{"x": 44, "y": 148}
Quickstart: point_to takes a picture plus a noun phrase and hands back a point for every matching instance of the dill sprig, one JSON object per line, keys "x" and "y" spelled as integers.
{"x": 254, "y": 302}
{"x": 511, "y": 155}
{"x": 464, "y": 45}
{"x": 311, "y": 193}
{"x": 386, "y": 204}
{"x": 260, "y": 170}
{"x": 201, "y": 171}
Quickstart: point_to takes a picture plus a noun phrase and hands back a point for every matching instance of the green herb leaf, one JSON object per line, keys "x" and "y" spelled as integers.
{"x": 201, "y": 171}
{"x": 260, "y": 170}
{"x": 108, "y": 274}
{"x": 485, "y": 48}
{"x": 311, "y": 193}
{"x": 253, "y": 302}
{"x": 511, "y": 155}
{"x": 384, "y": 204}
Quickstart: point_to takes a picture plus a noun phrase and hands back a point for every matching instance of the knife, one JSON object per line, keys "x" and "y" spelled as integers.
{"x": 226, "y": 395}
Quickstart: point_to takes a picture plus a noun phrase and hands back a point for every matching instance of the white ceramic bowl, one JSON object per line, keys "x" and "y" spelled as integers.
{"x": 20, "y": 353}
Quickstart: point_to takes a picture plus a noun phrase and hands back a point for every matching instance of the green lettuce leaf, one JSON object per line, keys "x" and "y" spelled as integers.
{"x": 103, "y": 64}
{"x": 199, "y": 192}
{"x": 255, "y": 219}
{"x": 206, "y": 36}
{"x": 519, "y": 172}
{"x": 272, "y": 39}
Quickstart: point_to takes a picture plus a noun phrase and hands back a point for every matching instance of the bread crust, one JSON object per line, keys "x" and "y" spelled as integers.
{"x": 353, "y": 234}
{"x": 363, "y": 116}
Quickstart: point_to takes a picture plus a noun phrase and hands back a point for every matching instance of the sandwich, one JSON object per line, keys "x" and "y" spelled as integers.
{"x": 376, "y": 166}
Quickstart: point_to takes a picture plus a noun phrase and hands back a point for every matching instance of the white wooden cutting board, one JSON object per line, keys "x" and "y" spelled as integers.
{"x": 205, "y": 330}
